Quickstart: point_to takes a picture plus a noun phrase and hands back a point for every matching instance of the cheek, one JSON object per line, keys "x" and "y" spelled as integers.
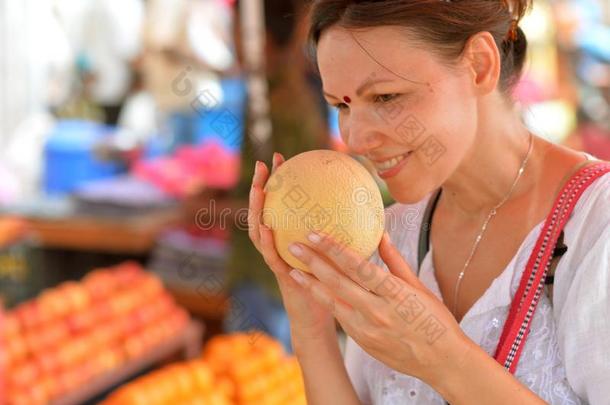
{"x": 441, "y": 128}
{"x": 449, "y": 120}
{"x": 459, "y": 126}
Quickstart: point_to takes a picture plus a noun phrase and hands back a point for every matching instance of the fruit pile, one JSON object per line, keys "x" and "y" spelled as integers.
{"x": 257, "y": 366}
{"x": 235, "y": 369}
{"x": 188, "y": 383}
{"x": 11, "y": 229}
{"x": 79, "y": 330}
{"x": 2, "y": 365}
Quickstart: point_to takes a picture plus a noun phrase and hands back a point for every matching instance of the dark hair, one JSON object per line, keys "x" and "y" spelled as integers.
{"x": 446, "y": 24}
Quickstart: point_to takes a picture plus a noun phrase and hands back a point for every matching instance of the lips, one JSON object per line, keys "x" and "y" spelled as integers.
{"x": 390, "y": 167}
{"x": 389, "y": 163}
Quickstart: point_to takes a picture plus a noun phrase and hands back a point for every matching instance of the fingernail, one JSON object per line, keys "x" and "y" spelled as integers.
{"x": 257, "y": 166}
{"x": 298, "y": 276}
{"x": 295, "y": 249}
{"x": 314, "y": 237}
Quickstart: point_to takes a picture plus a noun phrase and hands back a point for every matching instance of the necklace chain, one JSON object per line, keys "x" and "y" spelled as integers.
{"x": 491, "y": 214}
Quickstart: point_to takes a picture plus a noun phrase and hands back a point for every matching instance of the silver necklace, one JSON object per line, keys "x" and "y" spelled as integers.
{"x": 492, "y": 213}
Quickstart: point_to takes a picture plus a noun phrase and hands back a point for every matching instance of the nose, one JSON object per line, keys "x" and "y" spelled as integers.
{"x": 360, "y": 132}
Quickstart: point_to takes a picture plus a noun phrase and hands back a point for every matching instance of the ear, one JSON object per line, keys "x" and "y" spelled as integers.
{"x": 482, "y": 60}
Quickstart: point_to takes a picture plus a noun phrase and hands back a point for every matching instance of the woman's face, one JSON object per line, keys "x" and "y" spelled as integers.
{"x": 398, "y": 101}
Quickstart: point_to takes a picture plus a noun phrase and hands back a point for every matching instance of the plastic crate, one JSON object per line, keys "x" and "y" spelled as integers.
{"x": 69, "y": 158}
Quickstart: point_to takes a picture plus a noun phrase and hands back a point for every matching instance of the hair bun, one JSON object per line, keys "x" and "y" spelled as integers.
{"x": 515, "y": 51}
{"x": 519, "y": 48}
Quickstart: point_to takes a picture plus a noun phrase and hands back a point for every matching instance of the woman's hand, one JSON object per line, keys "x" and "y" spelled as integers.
{"x": 392, "y": 316}
{"x": 308, "y": 318}
{"x": 312, "y": 325}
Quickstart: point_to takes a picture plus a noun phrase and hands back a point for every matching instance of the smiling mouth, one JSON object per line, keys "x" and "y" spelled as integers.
{"x": 390, "y": 163}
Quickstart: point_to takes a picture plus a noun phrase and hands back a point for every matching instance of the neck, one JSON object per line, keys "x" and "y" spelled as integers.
{"x": 487, "y": 172}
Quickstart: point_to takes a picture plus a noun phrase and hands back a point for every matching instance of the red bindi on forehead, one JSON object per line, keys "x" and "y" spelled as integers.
{"x": 347, "y": 99}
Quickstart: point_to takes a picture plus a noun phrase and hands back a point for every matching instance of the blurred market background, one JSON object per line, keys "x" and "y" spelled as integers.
{"x": 128, "y": 134}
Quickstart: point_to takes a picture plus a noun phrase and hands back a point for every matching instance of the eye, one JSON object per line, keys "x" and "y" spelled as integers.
{"x": 384, "y": 98}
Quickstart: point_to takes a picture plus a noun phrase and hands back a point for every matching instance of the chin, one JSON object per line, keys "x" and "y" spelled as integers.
{"x": 412, "y": 186}
{"x": 406, "y": 194}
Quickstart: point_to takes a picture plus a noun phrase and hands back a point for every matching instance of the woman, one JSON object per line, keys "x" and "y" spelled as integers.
{"x": 423, "y": 89}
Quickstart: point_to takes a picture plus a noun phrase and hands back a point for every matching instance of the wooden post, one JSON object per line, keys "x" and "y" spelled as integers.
{"x": 253, "y": 41}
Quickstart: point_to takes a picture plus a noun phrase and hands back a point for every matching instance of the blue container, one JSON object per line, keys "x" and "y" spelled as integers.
{"x": 69, "y": 158}
{"x": 224, "y": 122}
{"x": 157, "y": 146}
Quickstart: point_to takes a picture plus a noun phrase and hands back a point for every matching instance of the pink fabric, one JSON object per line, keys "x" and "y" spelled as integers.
{"x": 191, "y": 169}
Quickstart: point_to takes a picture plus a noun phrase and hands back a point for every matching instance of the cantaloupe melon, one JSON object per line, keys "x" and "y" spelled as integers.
{"x": 328, "y": 192}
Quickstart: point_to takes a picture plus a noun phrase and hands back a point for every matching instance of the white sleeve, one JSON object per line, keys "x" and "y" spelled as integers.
{"x": 583, "y": 322}
{"x": 354, "y": 363}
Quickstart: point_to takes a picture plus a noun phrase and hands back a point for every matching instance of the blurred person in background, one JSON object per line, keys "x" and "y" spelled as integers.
{"x": 187, "y": 47}
{"x": 37, "y": 65}
{"x": 109, "y": 42}
{"x": 298, "y": 125}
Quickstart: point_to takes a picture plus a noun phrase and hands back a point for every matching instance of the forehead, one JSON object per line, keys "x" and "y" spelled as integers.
{"x": 349, "y": 57}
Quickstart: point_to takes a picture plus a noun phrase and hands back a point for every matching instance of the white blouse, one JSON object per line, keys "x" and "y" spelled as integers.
{"x": 566, "y": 357}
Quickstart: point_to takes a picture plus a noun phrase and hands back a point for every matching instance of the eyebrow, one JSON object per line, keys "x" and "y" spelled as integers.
{"x": 364, "y": 86}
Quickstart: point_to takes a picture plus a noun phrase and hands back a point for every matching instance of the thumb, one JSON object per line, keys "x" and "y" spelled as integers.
{"x": 396, "y": 263}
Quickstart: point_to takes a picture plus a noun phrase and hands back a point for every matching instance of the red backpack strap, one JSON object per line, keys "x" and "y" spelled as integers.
{"x": 517, "y": 325}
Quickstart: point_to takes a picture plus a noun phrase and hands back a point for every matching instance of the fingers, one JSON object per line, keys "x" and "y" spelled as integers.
{"x": 335, "y": 280}
{"x": 396, "y": 263}
{"x": 324, "y": 295}
{"x": 354, "y": 266}
{"x": 256, "y": 202}
{"x": 278, "y": 159}
{"x": 272, "y": 258}
{"x": 257, "y": 197}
